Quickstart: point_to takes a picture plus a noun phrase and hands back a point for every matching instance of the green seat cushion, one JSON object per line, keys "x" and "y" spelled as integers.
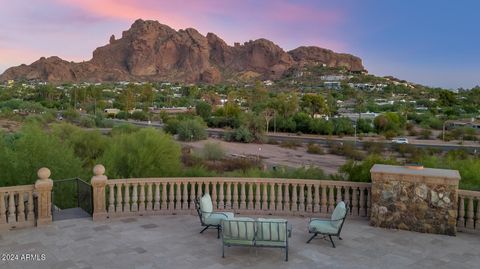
{"x": 271, "y": 230}
{"x": 271, "y": 243}
{"x": 238, "y": 242}
{"x": 238, "y": 229}
{"x": 215, "y": 218}
{"x": 322, "y": 226}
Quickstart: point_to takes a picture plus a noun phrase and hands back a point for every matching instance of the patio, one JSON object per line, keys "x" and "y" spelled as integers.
{"x": 173, "y": 241}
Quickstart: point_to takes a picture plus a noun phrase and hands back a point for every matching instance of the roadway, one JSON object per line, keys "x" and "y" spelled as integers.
{"x": 323, "y": 140}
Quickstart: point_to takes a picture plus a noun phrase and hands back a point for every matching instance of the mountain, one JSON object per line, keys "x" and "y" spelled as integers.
{"x": 151, "y": 51}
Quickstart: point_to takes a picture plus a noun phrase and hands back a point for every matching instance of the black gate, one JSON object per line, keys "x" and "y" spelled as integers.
{"x": 71, "y": 198}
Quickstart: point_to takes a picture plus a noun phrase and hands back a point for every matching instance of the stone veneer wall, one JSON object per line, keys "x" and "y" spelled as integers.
{"x": 422, "y": 200}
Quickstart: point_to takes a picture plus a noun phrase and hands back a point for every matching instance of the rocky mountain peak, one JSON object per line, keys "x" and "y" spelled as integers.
{"x": 152, "y": 51}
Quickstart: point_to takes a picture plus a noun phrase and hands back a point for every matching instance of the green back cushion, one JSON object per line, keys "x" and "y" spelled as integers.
{"x": 338, "y": 213}
{"x": 238, "y": 229}
{"x": 271, "y": 230}
{"x": 206, "y": 203}
{"x": 206, "y": 206}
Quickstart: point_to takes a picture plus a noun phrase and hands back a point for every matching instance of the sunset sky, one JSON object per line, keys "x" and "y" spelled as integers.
{"x": 433, "y": 42}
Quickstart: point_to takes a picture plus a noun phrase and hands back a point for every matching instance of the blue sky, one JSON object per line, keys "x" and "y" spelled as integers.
{"x": 435, "y": 43}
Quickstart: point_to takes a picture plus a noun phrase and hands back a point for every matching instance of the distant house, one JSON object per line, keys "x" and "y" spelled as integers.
{"x": 472, "y": 123}
{"x": 333, "y": 85}
{"x": 111, "y": 111}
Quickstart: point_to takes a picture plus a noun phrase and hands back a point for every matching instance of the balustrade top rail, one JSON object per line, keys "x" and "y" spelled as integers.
{"x": 469, "y": 193}
{"x": 241, "y": 179}
{"x": 18, "y": 188}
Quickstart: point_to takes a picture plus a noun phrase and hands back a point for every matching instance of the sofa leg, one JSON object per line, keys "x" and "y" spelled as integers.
{"x": 340, "y": 238}
{"x": 313, "y": 236}
{"x": 218, "y": 232}
{"x": 204, "y": 229}
{"x": 223, "y": 250}
{"x": 331, "y": 240}
{"x": 286, "y": 254}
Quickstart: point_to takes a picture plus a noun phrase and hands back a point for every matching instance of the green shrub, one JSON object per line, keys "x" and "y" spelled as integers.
{"x": 425, "y": 134}
{"x": 290, "y": 144}
{"x": 315, "y": 149}
{"x": 145, "y": 153}
{"x": 213, "y": 151}
{"x": 87, "y": 122}
{"x": 191, "y": 130}
{"x": 360, "y": 171}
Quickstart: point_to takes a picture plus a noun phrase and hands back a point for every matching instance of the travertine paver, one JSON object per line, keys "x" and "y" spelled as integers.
{"x": 175, "y": 242}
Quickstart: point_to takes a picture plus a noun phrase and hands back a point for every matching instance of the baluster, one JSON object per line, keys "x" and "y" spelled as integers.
{"x": 470, "y": 221}
{"x": 367, "y": 209}
{"x": 21, "y": 207}
{"x": 228, "y": 203}
{"x": 135, "y": 197}
{"x": 362, "y": 202}
{"x": 149, "y": 196}
{"x": 309, "y": 198}
{"x": 141, "y": 200}
{"x": 126, "y": 198}
{"x": 185, "y": 196}
{"x": 250, "y": 196}
{"x": 171, "y": 196}
{"x": 302, "y": 198}
{"x": 156, "y": 205}
{"x": 271, "y": 205}
{"x": 339, "y": 194}
{"x": 200, "y": 188}
{"x": 257, "y": 196}
{"x": 461, "y": 213}
{"x": 214, "y": 195}
{"x": 111, "y": 198}
{"x": 207, "y": 187}
{"x": 286, "y": 206}
{"x": 316, "y": 198}
{"x": 243, "y": 196}
{"x": 235, "y": 195}
{"x": 178, "y": 196}
{"x": 164, "y": 195}
{"x": 347, "y": 195}
{"x": 279, "y": 197}
{"x": 354, "y": 201}
{"x": 3, "y": 210}
{"x": 192, "y": 195}
{"x": 331, "y": 201}
{"x": 31, "y": 213}
{"x": 323, "y": 208}
{"x": 294, "y": 198}
{"x": 264, "y": 197}
{"x": 119, "y": 198}
{"x": 12, "y": 218}
{"x": 221, "y": 203}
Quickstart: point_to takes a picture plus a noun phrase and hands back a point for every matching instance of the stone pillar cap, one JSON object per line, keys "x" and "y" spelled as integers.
{"x": 44, "y": 173}
{"x": 426, "y": 172}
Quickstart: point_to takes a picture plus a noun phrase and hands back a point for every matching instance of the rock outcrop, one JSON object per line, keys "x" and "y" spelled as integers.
{"x": 152, "y": 51}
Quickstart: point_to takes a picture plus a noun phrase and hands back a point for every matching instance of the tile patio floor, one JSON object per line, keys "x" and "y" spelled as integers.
{"x": 175, "y": 242}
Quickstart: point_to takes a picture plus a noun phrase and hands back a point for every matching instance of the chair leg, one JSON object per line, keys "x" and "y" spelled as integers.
{"x": 223, "y": 250}
{"x": 340, "y": 238}
{"x": 286, "y": 254}
{"x": 331, "y": 240}
{"x": 313, "y": 236}
{"x": 204, "y": 229}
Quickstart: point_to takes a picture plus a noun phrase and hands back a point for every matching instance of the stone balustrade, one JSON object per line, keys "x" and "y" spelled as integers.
{"x": 16, "y": 207}
{"x": 27, "y": 205}
{"x": 468, "y": 211}
{"x": 152, "y": 196}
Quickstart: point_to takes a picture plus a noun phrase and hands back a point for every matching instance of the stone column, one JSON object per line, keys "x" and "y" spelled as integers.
{"x": 414, "y": 198}
{"x": 99, "y": 180}
{"x": 43, "y": 187}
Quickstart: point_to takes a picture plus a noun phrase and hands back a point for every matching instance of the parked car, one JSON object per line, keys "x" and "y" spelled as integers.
{"x": 400, "y": 140}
